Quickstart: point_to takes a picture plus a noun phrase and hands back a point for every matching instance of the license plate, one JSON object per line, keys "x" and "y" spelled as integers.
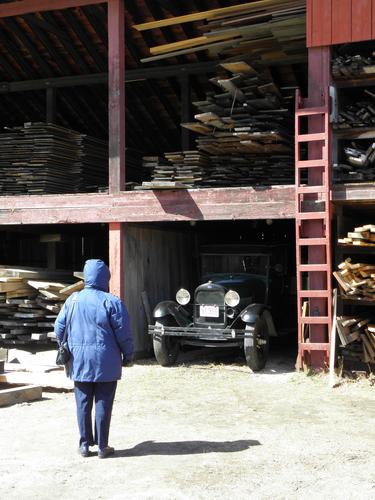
{"x": 209, "y": 311}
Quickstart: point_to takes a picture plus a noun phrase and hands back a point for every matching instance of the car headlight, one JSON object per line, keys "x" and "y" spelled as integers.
{"x": 232, "y": 299}
{"x": 183, "y": 296}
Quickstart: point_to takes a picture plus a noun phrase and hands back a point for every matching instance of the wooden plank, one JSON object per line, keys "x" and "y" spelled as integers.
{"x": 30, "y": 6}
{"x": 16, "y": 395}
{"x": 116, "y": 94}
{"x": 210, "y": 14}
{"x": 116, "y": 258}
{"x": 361, "y": 20}
{"x": 341, "y": 21}
{"x": 321, "y": 23}
{"x": 57, "y": 380}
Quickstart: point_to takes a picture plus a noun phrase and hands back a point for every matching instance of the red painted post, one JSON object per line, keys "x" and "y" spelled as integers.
{"x": 319, "y": 60}
{"x": 116, "y": 95}
{"x": 116, "y": 258}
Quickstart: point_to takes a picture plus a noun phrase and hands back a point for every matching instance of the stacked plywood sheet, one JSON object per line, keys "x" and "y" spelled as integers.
{"x": 273, "y": 29}
{"x": 29, "y": 307}
{"x": 357, "y": 337}
{"x": 356, "y": 280}
{"x": 40, "y": 158}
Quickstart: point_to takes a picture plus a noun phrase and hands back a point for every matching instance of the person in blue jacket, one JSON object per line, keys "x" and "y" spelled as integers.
{"x": 99, "y": 340}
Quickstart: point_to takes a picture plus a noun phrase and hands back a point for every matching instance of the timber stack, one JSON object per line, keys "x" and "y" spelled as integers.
{"x": 359, "y": 164}
{"x": 40, "y": 158}
{"x": 358, "y": 114}
{"x": 360, "y": 236}
{"x": 29, "y": 304}
{"x": 357, "y": 338}
{"x": 352, "y": 66}
{"x": 356, "y": 280}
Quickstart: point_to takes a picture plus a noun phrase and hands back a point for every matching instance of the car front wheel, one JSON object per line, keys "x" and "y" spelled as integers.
{"x": 166, "y": 347}
{"x": 256, "y": 346}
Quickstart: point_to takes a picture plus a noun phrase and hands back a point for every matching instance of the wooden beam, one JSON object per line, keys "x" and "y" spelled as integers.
{"x": 16, "y": 395}
{"x": 148, "y": 206}
{"x": 116, "y": 258}
{"x": 30, "y": 6}
{"x": 116, "y": 94}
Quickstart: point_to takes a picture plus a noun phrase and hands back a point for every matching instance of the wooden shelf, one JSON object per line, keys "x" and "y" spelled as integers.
{"x": 355, "y": 133}
{"x": 359, "y": 302}
{"x": 356, "y": 248}
{"x": 362, "y": 81}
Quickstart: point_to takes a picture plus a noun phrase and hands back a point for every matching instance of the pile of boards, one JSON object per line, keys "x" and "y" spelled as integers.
{"x": 245, "y": 135}
{"x": 274, "y": 29}
{"x": 359, "y": 166}
{"x": 357, "y": 337}
{"x": 359, "y": 113}
{"x": 356, "y": 280}
{"x": 352, "y": 66}
{"x": 29, "y": 304}
{"x": 40, "y": 158}
{"x": 360, "y": 236}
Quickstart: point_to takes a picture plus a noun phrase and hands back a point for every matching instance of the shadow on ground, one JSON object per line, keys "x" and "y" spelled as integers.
{"x": 186, "y": 447}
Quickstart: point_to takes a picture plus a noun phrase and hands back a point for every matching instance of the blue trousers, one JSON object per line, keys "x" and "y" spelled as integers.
{"x": 103, "y": 393}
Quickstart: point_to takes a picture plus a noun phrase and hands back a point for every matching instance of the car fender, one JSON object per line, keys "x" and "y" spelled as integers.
{"x": 171, "y": 308}
{"x": 253, "y": 311}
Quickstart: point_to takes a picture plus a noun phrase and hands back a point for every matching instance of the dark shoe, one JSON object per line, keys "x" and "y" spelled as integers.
{"x": 106, "y": 452}
{"x": 84, "y": 451}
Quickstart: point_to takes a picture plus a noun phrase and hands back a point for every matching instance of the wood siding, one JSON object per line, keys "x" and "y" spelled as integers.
{"x": 330, "y": 22}
{"x": 156, "y": 261}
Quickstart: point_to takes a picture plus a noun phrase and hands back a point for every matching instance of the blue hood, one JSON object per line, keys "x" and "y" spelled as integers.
{"x": 96, "y": 274}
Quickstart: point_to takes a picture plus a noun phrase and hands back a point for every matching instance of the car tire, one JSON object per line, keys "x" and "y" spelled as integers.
{"x": 256, "y": 355}
{"x": 166, "y": 348}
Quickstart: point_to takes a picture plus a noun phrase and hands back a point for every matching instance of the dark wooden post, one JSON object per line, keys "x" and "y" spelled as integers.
{"x": 51, "y": 105}
{"x": 116, "y": 95}
{"x": 185, "y": 110}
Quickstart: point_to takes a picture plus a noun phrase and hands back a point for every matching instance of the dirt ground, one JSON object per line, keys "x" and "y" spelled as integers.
{"x": 200, "y": 430}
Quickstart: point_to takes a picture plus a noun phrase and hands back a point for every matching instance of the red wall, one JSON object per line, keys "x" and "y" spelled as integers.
{"x": 339, "y": 21}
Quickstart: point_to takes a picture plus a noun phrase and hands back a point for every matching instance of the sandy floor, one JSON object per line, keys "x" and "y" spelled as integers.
{"x": 200, "y": 431}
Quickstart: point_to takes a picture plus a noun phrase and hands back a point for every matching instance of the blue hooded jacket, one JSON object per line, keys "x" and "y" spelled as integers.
{"x": 98, "y": 330}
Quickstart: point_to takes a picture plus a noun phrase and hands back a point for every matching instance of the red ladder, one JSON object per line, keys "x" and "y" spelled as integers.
{"x": 313, "y": 233}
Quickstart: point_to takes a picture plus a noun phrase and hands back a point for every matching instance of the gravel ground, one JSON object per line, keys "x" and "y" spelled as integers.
{"x": 200, "y": 430}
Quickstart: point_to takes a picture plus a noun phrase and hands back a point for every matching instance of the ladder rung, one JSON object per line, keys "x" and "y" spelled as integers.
{"x": 322, "y": 136}
{"x": 315, "y": 320}
{"x": 312, "y": 294}
{"x": 314, "y": 346}
{"x": 311, "y": 189}
{"x": 305, "y": 268}
{"x": 312, "y": 241}
{"x": 311, "y": 215}
{"x": 311, "y": 111}
{"x": 318, "y": 163}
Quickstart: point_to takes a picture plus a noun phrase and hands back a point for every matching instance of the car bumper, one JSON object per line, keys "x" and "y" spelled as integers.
{"x": 200, "y": 333}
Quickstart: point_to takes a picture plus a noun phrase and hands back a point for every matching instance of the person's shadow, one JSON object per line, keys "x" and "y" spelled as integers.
{"x": 186, "y": 448}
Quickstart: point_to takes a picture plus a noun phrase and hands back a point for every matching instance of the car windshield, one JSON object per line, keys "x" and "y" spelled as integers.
{"x": 235, "y": 263}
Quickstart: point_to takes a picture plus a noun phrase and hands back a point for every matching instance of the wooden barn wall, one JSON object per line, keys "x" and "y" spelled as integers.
{"x": 339, "y": 21}
{"x": 156, "y": 261}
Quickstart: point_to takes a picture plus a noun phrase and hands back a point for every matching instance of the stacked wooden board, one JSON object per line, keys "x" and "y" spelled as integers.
{"x": 272, "y": 29}
{"x": 29, "y": 307}
{"x": 245, "y": 135}
{"x": 356, "y": 280}
{"x": 358, "y": 114}
{"x": 357, "y": 337}
{"x": 360, "y": 236}
{"x": 352, "y": 66}
{"x": 40, "y": 158}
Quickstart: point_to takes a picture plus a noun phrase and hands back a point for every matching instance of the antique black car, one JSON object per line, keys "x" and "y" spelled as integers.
{"x": 242, "y": 290}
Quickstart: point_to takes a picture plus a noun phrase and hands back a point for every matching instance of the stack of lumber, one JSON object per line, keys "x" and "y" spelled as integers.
{"x": 40, "y": 158}
{"x": 273, "y": 30}
{"x": 360, "y": 236}
{"x": 350, "y": 66}
{"x": 359, "y": 166}
{"x": 357, "y": 336}
{"x": 357, "y": 114}
{"x": 182, "y": 169}
{"x": 29, "y": 307}
{"x": 356, "y": 281}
